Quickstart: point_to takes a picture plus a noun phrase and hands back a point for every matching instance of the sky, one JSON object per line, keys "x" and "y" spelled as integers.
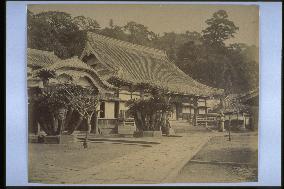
{"x": 165, "y": 18}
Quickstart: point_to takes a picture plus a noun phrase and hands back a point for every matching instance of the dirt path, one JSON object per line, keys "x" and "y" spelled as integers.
{"x": 224, "y": 161}
{"x": 111, "y": 162}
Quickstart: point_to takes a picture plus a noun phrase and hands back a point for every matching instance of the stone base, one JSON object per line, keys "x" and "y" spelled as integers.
{"x": 52, "y": 139}
{"x": 152, "y": 133}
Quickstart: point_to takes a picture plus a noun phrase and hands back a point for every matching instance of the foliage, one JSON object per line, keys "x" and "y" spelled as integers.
{"x": 86, "y": 24}
{"x": 47, "y": 105}
{"x": 52, "y": 31}
{"x": 212, "y": 63}
{"x": 219, "y": 29}
{"x": 45, "y": 74}
{"x": 149, "y": 114}
{"x": 204, "y": 56}
{"x": 114, "y": 31}
{"x": 148, "y": 106}
{"x": 82, "y": 99}
{"x": 63, "y": 96}
{"x": 138, "y": 33}
{"x": 171, "y": 42}
{"x": 119, "y": 82}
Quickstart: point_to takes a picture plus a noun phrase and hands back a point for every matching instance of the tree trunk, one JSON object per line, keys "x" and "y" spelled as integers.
{"x": 95, "y": 114}
{"x": 59, "y": 128}
{"x": 151, "y": 121}
{"x": 89, "y": 124}
{"x": 138, "y": 123}
{"x": 142, "y": 120}
{"x": 97, "y": 125}
{"x": 44, "y": 127}
{"x": 38, "y": 128}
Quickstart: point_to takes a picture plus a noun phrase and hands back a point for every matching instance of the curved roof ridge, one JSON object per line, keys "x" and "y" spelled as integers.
{"x": 75, "y": 62}
{"x": 128, "y": 44}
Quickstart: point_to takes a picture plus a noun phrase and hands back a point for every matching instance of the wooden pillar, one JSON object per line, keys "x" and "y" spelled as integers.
{"x": 131, "y": 91}
{"x": 244, "y": 122}
{"x": 222, "y": 123}
{"x": 38, "y": 128}
{"x": 117, "y": 105}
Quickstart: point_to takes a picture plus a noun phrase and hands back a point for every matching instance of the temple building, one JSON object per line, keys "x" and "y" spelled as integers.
{"x": 120, "y": 71}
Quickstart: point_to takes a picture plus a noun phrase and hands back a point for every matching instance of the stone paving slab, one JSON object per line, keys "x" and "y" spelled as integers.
{"x": 157, "y": 164}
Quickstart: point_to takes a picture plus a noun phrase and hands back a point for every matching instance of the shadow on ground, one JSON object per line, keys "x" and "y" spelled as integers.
{"x": 125, "y": 142}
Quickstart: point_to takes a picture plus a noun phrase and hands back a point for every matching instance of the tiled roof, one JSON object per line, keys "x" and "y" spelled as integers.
{"x": 139, "y": 64}
{"x": 253, "y": 94}
{"x": 231, "y": 104}
{"x": 38, "y": 58}
{"x": 74, "y": 64}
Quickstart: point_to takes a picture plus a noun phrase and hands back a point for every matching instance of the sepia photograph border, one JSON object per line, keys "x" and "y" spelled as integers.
{"x": 269, "y": 83}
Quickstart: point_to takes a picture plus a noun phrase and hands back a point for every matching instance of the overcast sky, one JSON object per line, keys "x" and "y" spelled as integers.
{"x": 166, "y": 18}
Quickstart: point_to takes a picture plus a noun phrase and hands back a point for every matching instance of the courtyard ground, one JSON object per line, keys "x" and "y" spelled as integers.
{"x": 147, "y": 160}
{"x": 221, "y": 160}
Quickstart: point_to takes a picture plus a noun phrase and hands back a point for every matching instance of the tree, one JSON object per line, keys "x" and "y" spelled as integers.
{"x": 212, "y": 62}
{"x": 111, "y": 24}
{"x": 84, "y": 100}
{"x": 114, "y": 32}
{"x": 52, "y": 105}
{"x": 86, "y": 24}
{"x": 149, "y": 114}
{"x": 50, "y": 109}
{"x": 244, "y": 59}
{"x": 139, "y": 34}
{"x": 171, "y": 42}
{"x": 219, "y": 29}
{"x": 53, "y": 31}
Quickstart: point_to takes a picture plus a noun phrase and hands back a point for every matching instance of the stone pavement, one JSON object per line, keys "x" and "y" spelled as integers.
{"x": 157, "y": 164}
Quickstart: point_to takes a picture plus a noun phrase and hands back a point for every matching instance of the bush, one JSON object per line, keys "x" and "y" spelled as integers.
{"x": 149, "y": 114}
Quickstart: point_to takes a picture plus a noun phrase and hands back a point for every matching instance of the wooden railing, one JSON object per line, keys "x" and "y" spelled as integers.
{"x": 210, "y": 119}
